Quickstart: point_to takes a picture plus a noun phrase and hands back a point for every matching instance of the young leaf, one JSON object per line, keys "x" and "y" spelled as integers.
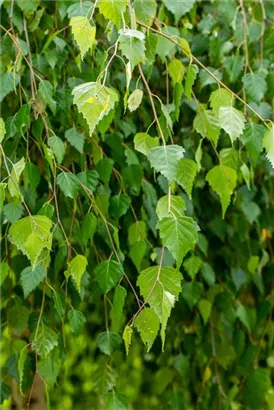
{"x": 31, "y": 278}
{"x": 220, "y": 98}
{"x": 176, "y": 71}
{"x": 94, "y": 102}
{"x": 134, "y": 100}
{"x": 13, "y": 182}
{"x": 179, "y": 235}
{"x": 191, "y": 75}
{"x": 117, "y": 307}
{"x": 112, "y": 10}
{"x": 147, "y": 323}
{"x": 76, "y": 321}
{"x": 222, "y": 180}
{"x": 173, "y": 205}
{"x": 166, "y": 159}
{"x": 31, "y": 235}
{"x": 108, "y": 274}
{"x": 68, "y": 184}
{"x": 46, "y": 340}
{"x": 108, "y": 342}
{"x": 144, "y": 142}
{"x": 166, "y": 285}
{"x": 127, "y": 335}
{"x": 268, "y": 144}
{"x": 207, "y": 124}
{"x": 76, "y": 269}
{"x": 83, "y": 33}
{"x": 186, "y": 174}
{"x": 232, "y": 121}
{"x": 205, "y": 307}
{"x": 133, "y": 48}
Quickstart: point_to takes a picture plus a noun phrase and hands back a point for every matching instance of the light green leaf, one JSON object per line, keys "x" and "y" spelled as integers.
{"x": 176, "y": 71}
{"x": 192, "y": 265}
{"x": 8, "y": 83}
{"x": 76, "y": 269}
{"x": 108, "y": 274}
{"x": 191, "y": 75}
{"x": 21, "y": 365}
{"x": 137, "y": 232}
{"x": 68, "y": 184}
{"x": 179, "y": 235}
{"x": 79, "y": 9}
{"x": 46, "y": 340}
{"x": 134, "y": 100}
{"x": 166, "y": 285}
{"x": 165, "y": 111}
{"x": 108, "y": 342}
{"x": 252, "y": 140}
{"x": 186, "y": 174}
{"x": 94, "y": 102}
{"x": 112, "y": 10}
{"x": 179, "y": 7}
{"x": 232, "y": 121}
{"x": 148, "y": 324}
{"x": 76, "y": 321}
{"x": 220, "y": 98}
{"x": 127, "y": 335}
{"x": 58, "y": 148}
{"x": 137, "y": 253}
{"x": 83, "y": 33}
{"x": 118, "y": 205}
{"x": 28, "y": 6}
{"x": 246, "y": 175}
{"x": 166, "y": 159}
{"x": 205, "y": 309}
{"x": 50, "y": 366}
{"x": 268, "y": 144}
{"x": 222, "y": 180}
{"x": 2, "y": 129}
{"x": 31, "y": 278}
{"x": 116, "y": 401}
{"x": 31, "y": 235}
{"x": 117, "y": 307}
{"x": 132, "y": 48}
{"x": 13, "y": 182}
{"x": 170, "y": 206}
{"x": 46, "y": 92}
{"x": 164, "y": 46}
{"x": 145, "y": 10}
{"x": 144, "y": 142}
{"x": 207, "y": 124}
{"x": 255, "y": 85}
{"x": 76, "y": 139}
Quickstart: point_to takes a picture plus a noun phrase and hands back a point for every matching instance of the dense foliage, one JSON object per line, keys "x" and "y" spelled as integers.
{"x": 137, "y": 155}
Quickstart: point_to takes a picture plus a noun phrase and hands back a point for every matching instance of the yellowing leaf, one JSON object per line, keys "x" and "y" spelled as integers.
{"x": 83, "y": 33}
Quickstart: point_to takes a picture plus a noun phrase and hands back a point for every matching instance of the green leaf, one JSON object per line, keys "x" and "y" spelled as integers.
{"x": 220, "y": 98}
{"x": 176, "y": 71}
{"x": 255, "y": 85}
{"x": 50, "y": 367}
{"x": 255, "y": 389}
{"x": 79, "y": 9}
{"x": 46, "y": 92}
{"x": 191, "y": 292}
{"x": 132, "y": 48}
{"x": 58, "y": 148}
{"x": 28, "y": 6}
{"x": 137, "y": 232}
{"x": 127, "y": 335}
{"x": 191, "y": 75}
{"x": 59, "y": 303}
{"x": 88, "y": 228}
{"x": 46, "y": 340}
{"x": 112, "y": 10}
{"x": 207, "y": 124}
{"x": 166, "y": 160}
{"x": 208, "y": 274}
{"x": 108, "y": 273}
{"x": 76, "y": 139}
{"x": 76, "y": 321}
{"x": 134, "y": 100}
{"x": 76, "y": 269}
{"x": 13, "y": 182}
{"x": 186, "y": 174}
{"x": 83, "y": 33}
{"x": 8, "y": 83}
{"x": 68, "y": 184}
{"x": 252, "y": 140}
{"x": 144, "y": 142}
{"x": 118, "y": 205}
{"x": 179, "y": 235}
{"x": 2, "y": 130}
{"x": 179, "y": 7}
{"x": 148, "y": 325}
{"x": 137, "y": 253}
{"x": 176, "y": 207}
{"x": 161, "y": 286}
{"x": 108, "y": 342}
{"x": 246, "y": 175}
{"x": 32, "y": 175}
{"x": 192, "y": 265}
{"x": 117, "y": 307}
{"x": 145, "y": 10}
{"x": 116, "y": 401}
{"x": 205, "y": 309}
{"x": 89, "y": 179}
{"x": 234, "y": 66}
{"x": 222, "y": 180}
{"x": 268, "y": 144}
{"x": 164, "y": 46}
{"x": 21, "y": 366}
{"x": 19, "y": 316}
{"x": 31, "y": 235}
{"x": 94, "y": 102}
{"x": 232, "y": 121}
{"x": 31, "y": 278}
